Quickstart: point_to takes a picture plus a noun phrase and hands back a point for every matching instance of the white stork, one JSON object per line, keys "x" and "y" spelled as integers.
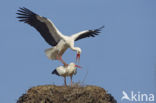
{"x": 53, "y": 36}
{"x": 65, "y": 71}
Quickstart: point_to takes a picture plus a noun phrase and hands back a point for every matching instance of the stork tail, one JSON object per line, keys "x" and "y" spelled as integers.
{"x": 55, "y": 72}
{"x": 51, "y": 53}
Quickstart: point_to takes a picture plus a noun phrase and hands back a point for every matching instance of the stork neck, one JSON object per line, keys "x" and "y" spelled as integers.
{"x": 74, "y": 48}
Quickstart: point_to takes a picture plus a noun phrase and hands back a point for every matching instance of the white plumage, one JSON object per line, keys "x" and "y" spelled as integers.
{"x": 65, "y": 71}
{"x": 53, "y": 52}
{"x": 53, "y": 36}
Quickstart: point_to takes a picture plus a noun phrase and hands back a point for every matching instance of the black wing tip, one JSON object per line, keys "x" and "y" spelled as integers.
{"x": 23, "y": 8}
{"x": 91, "y": 33}
{"x": 24, "y": 14}
{"x": 100, "y": 28}
{"x": 97, "y": 31}
{"x": 24, "y": 11}
{"x": 55, "y": 72}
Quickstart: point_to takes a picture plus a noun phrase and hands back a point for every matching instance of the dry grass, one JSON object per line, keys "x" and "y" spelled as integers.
{"x": 61, "y": 94}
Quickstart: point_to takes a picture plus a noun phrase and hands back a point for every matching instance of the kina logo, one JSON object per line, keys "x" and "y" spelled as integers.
{"x": 137, "y": 96}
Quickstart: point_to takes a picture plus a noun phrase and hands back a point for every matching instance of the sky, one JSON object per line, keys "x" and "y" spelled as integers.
{"x": 121, "y": 58}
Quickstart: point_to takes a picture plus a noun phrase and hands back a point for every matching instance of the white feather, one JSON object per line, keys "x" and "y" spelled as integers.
{"x": 59, "y": 49}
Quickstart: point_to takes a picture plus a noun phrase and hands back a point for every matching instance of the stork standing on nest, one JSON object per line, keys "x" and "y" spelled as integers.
{"x": 65, "y": 71}
{"x": 53, "y": 36}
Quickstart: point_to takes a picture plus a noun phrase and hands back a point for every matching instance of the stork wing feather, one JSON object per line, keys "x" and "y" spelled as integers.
{"x": 87, "y": 33}
{"x": 43, "y": 25}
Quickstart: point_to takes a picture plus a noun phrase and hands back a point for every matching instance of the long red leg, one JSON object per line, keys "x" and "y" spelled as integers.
{"x": 65, "y": 64}
{"x": 60, "y": 58}
{"x": 71, "y": 80}
{"x": 65, "y": 81}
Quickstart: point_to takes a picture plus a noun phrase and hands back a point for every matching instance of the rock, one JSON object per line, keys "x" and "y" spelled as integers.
{"x": 62, "y": 94}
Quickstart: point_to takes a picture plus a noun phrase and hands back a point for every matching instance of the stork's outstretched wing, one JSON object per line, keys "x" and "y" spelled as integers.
{"x": 43, "y": 25}
{"x": 87, "y": 33}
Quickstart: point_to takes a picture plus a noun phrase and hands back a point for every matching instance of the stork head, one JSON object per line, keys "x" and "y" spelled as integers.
{"x": 77, "y": 66}
{"x": 74, "y": 65}
{"x": 78, "y": 54}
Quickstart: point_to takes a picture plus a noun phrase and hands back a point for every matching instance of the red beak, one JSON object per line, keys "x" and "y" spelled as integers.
{"x": 78, "y": 57}
{"x": 78, "y": 66}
